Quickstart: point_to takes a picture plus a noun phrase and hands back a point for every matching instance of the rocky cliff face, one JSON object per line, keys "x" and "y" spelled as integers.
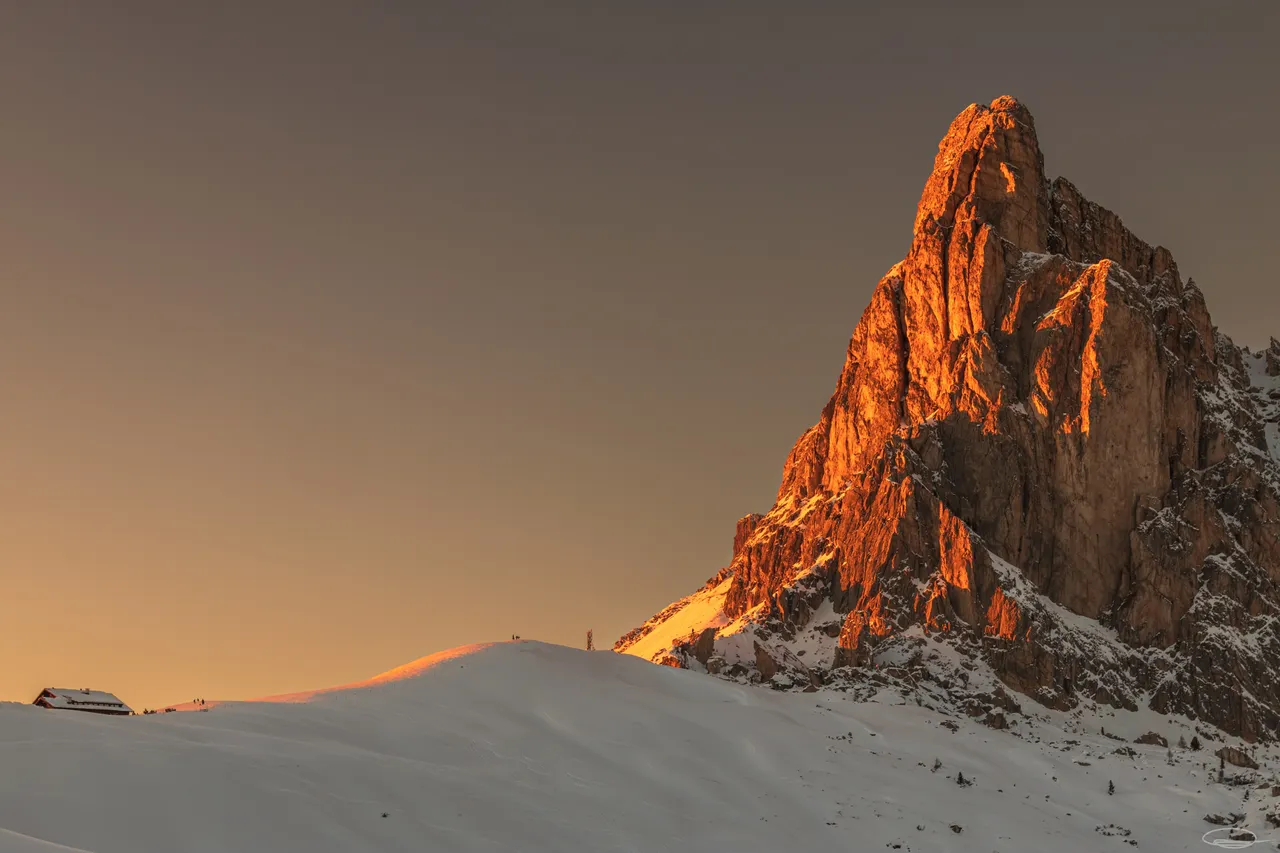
{"x": 1040, "y": 452}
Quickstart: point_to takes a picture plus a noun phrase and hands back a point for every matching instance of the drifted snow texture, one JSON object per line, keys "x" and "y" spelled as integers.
{"x": 529, "y": 747}
{"x": 1039, "y": 447}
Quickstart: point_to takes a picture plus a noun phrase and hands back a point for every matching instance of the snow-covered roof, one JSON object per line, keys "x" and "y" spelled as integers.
{"x": 81, "y": 699}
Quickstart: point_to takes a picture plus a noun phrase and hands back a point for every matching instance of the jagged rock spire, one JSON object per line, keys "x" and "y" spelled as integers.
{"x": 989, "y": 167}
{"x": 1034, "y": 414}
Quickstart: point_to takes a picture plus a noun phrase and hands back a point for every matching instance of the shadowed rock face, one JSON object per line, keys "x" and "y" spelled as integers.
{"x": 1036, "y": 421}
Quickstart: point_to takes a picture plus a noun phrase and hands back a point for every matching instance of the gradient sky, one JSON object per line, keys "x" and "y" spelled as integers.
{"x": 331, "y": 337}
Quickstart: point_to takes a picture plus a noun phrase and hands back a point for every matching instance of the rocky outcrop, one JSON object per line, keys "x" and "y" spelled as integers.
{"x": 1040, "y": 448}
{"x": 1237, "y": 757}
{"x": 705, "y": 646}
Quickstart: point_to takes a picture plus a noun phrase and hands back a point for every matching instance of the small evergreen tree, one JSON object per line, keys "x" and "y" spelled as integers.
{"x": 960, "y": 780}
{"x": 937, "y": 765}
{"x": 1195, "y": 743}
{"x": 591, "y": 642}
{"x": 1182, "y": 741}
{"x": 1111, "y": 788}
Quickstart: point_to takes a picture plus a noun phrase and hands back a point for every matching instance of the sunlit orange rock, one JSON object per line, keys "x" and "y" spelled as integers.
{"x": 1037, "y": 425}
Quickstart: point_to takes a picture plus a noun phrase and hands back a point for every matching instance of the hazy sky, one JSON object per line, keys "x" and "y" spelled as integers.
{"x": 331, "y": 337}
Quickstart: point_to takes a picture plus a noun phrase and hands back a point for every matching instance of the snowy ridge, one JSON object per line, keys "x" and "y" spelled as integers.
{"x": 13, "y": 842}
{"x": 525, "y": 746}
{"x": 692, "y": 614}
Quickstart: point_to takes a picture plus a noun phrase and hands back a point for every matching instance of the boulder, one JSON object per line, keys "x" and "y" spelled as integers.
{"x": 1236, "y": 757}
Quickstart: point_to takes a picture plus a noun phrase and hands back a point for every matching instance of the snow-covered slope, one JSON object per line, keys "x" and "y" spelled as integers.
{"x": 1266, "y": 392}
{"x": 525, "y": 746}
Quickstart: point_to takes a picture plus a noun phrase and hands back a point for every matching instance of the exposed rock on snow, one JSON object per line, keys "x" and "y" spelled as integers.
{"x": 1236, "y": 757}
{"x": 1041, "y": 451}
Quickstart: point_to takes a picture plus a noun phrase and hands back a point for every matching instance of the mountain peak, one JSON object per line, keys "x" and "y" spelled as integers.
{"x": 1039, "y": 451}
{"x": 989, "y": 168}
{"x": 1008, "y": 103}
